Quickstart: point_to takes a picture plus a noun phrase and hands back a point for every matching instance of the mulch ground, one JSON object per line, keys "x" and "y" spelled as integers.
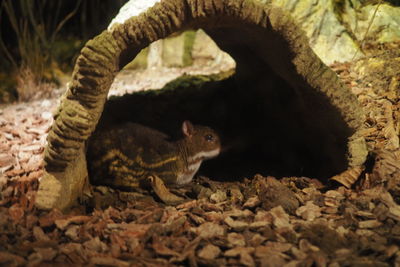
{"x": 295, "y": 221}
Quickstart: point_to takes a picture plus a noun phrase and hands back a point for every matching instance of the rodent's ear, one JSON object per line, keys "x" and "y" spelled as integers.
{"x": 187, "y": 128}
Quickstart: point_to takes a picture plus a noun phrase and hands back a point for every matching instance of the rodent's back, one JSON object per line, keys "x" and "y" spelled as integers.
{"x": 122, "y": 155}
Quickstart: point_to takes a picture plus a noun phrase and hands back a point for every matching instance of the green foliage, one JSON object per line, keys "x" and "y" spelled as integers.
{"x": 35, "y": 31}
{"x": 34, "y": 25}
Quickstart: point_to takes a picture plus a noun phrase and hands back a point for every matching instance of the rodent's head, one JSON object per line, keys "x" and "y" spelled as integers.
{"x": 203, "y": 142}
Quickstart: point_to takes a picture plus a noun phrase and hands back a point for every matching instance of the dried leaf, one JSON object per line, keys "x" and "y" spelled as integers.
{"x": 349, "y": 176}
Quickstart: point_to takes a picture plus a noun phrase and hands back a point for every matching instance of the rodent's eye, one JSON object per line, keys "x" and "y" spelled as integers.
{"x": 209, "y": 137}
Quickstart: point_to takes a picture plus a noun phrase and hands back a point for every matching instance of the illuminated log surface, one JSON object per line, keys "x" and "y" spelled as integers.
{"x": 283, "y": 112}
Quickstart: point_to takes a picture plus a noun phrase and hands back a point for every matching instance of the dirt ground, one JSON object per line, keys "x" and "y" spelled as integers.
{"x": 295, "y": 221}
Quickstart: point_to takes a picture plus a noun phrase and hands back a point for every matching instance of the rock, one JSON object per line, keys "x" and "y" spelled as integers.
{"x": 333, "y": 42}
{"x": 331, "y": 26}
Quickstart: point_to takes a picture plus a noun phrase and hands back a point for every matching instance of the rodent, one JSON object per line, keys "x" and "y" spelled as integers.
{"x": 125, "y": 155}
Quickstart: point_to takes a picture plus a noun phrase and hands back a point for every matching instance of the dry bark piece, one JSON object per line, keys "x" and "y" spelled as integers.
{"x": 3, "y": 182}
{"x": 16, "y": 212}
{"x": 108, "y": 261}
{"x": 236, "y": 194}
{"x": 239, "y": 213}
{"x": 252, "y": 202}
{"x": 73, "y": 232}
{"x": 196, "y": 219}
{"x": 160, "y": 248}
{"x": 214, "y": 216}
{"x": 322, "y": 236}
{"x": 257, "y": 240}
{"x": 272, "y": 258}
{"x": 176, "y": 225}
{"x": 280, "y": 218}
{"x": 209, "y": 252}
{"x": 333, "y": 198}
{"x": 209, "y": 230}
{"x": 218, "y": 197}
{"x": 236, "y": 225}
{"x": 236, "y": 239}
{"x": 244, "y": 253}
{"x": 63, "y": 223}
{"x": 386, "y": 168}
{"x": 46, "y": 254}
{"x": 39, "y": 234}
{"x": 96, "y": 245}
{"x": 9, "y": 259}
{"x": 369, "y": 224}
{"x": 6, "y": 159}
{"x": 309, "y": 211}
{"x": 263, "y": 216}
{"x": 349, "y": 176}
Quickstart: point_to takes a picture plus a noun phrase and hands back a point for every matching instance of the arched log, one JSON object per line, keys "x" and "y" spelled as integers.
{"x": 237, "y": 26}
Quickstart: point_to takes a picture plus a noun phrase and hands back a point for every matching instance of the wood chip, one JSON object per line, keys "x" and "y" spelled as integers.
{"x": 309, "y": 211}
{"x": 280, "y": 217}
{"x": 348, "y": 177}
{"x": 209, "y": 252}
{"x": 209, "y": 230}
{"x": 236, "y": 225}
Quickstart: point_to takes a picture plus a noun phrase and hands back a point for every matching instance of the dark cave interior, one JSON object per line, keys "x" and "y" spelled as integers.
{"x": 266, "y": 125}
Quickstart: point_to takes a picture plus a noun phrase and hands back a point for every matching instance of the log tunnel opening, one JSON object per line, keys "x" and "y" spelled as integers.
{"x": 266, "y": 125}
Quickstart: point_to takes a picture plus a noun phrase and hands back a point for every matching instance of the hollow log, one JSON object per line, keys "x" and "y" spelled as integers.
{"x": 262, "y": 40}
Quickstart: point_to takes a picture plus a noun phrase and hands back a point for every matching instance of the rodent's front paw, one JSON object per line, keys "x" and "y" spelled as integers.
{"x": 163, "y": 192}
